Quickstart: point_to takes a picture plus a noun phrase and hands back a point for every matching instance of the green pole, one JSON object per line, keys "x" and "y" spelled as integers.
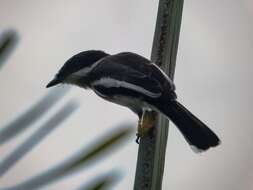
{"x": 151, "y": 155}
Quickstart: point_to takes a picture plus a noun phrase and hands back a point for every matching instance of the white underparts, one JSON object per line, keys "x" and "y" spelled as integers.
{"x": 110, "y": 82}
{"x": 196, "y": 149}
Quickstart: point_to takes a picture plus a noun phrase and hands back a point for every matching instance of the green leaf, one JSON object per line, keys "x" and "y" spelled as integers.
{"x": 102, "y": 182}
{"x": 37, "y": 136}
{"x": 8, "y": 41}
{"x": 97, "y": 150}
{"x": 34, "y": 113}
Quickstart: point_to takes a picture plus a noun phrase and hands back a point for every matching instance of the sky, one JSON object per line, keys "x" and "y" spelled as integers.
{"x": 213, "y": 79}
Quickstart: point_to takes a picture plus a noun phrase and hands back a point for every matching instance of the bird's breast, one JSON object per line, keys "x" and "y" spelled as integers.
{"x": 127, "y": 101}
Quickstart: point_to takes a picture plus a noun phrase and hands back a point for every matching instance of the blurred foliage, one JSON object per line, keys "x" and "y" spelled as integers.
{"x": 84, "y": 157}
{"x": 102, "y": 182}
{"x": 25, "y": 147}
{"x": 8, "y": 40}
{"x": 98, "y": 149}
{"x": 31, "y": 115}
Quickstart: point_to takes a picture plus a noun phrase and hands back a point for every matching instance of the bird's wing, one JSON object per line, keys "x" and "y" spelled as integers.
{"x": 121, "y": 74}
{"x": 144, "y": 66}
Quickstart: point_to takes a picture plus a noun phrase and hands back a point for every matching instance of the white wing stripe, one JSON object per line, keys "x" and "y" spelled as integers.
{"x": 109, "y": 82}
{"x": 83, "y": 72}
{"x": 164, "y": 74}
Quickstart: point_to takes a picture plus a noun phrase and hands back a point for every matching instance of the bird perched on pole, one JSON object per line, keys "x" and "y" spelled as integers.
{"x": 131, "y": 80}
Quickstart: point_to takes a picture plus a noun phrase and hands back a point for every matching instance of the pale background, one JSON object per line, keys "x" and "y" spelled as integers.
{"x": 214, "y": 76}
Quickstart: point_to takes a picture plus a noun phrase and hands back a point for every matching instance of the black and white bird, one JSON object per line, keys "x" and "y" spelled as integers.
{"x": 131, "y": 80}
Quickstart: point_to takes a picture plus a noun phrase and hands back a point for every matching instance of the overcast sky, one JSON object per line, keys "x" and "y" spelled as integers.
{"x": 214, "y": 76}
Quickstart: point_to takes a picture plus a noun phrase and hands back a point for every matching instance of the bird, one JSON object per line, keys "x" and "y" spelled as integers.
{"x": 133, "y": 81}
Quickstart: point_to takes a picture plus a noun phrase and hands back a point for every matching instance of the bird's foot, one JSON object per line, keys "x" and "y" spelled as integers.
{"x": 146, "y": 125}
{"x": 138, "y": 138}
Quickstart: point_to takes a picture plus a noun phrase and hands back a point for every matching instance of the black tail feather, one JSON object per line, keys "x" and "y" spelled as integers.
{"x": 197, "y": 134}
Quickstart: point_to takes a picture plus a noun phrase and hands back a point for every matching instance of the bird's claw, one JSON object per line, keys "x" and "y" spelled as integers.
{"x": 146, "y": 125}
{"x": 138, "y": 137}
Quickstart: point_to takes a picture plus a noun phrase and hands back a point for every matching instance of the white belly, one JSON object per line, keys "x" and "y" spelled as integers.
{"x": 132, "y": 103}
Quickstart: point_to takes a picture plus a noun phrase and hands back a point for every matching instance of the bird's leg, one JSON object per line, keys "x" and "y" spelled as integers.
{"x": 146, "y": 124}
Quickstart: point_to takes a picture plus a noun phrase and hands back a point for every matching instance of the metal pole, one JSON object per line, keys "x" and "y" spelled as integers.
{"x": 151, "y": 156}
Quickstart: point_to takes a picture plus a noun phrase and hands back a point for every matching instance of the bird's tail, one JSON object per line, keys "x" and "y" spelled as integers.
{"x": 197, "y": 134}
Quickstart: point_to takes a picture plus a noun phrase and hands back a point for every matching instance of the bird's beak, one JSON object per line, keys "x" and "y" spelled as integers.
{"x": 53, "y": 82}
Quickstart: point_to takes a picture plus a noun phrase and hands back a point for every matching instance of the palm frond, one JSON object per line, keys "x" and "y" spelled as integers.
{"x": 27, "y": 118}
{"x": 37, "y": 137}
{"x": 78, "y": 161}
{"x": 8, "y": 41}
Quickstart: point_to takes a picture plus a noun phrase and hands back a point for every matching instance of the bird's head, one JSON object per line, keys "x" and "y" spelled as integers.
{"x": 76, "y": 69}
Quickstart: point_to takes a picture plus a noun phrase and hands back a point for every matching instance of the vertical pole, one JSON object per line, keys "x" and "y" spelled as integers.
{"x": 151, "y": 155}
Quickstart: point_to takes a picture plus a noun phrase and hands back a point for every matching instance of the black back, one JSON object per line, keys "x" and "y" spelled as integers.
{"x": 134, "y": 69}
